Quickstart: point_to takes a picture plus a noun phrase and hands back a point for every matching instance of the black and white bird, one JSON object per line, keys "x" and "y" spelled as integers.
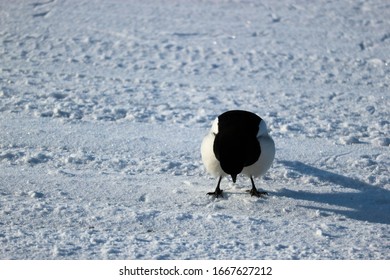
{"x": 238, "y": 143}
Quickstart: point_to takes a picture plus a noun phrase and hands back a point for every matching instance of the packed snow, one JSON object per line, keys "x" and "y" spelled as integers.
{"x": 104, "y": 105}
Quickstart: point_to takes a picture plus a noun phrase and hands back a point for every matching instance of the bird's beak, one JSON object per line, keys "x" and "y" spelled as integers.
{"x": 234, "y": 177}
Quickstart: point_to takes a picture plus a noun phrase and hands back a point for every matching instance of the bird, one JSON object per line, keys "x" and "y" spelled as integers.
{"x": 238, "y": 143}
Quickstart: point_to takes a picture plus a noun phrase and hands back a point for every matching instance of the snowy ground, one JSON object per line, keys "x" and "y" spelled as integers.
{"x": 104, "y": 104}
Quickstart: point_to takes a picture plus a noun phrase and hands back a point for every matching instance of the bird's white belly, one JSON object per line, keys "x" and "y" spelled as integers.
{"x": 265, "y": 160}
{"x": 257, "y": 169}
{"x": 210, "y": 162}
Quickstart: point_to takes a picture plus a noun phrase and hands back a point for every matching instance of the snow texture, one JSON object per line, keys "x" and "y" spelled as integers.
{"x": 104, "y": 104}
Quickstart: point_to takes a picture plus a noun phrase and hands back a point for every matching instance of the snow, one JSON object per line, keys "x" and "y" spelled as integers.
{"x": 104, "y": 105}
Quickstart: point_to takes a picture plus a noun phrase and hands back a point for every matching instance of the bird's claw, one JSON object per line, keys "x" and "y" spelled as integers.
{"x": 216, "y": 193}
{"x": 254, "y": 192}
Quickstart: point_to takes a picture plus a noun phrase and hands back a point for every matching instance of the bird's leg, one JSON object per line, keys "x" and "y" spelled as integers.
{"x": 254, "y": 191}
{"x": 218, "y": 192}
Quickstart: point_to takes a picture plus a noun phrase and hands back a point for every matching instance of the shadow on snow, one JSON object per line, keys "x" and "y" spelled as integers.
{"x": 370, "y": 203}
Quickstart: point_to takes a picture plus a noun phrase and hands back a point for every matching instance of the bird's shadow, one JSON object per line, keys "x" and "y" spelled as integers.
{"x": 365, "y": 203}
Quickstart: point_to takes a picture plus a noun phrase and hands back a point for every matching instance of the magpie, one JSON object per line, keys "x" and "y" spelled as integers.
{"x": 238, "y": 143}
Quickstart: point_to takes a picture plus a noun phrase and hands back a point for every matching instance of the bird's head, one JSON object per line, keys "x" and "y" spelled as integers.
{"x": 229, "y": 152}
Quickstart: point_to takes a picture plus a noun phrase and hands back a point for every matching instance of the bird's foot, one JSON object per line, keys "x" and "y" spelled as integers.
{"x": 255, "y": 192}
{"x": 217, "y": 193}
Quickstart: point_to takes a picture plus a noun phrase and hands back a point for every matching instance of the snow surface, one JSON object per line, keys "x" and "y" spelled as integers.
{"x": 104, "y": 104}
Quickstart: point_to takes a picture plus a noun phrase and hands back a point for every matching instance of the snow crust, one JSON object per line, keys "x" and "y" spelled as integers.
{"x": 104, "y": 105}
